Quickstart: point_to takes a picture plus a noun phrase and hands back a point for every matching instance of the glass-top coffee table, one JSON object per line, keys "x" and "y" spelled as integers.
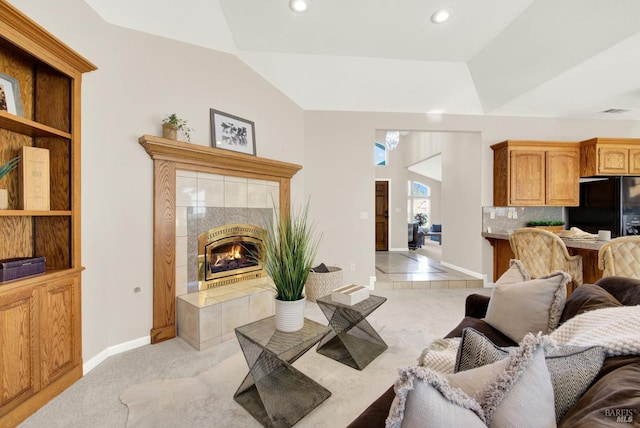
{"x": 275, "y": 393}
{"x": 352, "y": 340}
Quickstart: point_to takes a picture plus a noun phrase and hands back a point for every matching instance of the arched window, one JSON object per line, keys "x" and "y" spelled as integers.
{"x": 418, "y": 201}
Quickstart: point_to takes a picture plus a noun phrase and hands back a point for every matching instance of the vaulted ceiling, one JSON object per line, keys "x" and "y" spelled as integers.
{"x": 548, "y": 58}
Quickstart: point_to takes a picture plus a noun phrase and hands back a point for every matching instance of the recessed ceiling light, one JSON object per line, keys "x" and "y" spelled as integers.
{"x": 441, "y": 15}
{"x": 298, "y": 6}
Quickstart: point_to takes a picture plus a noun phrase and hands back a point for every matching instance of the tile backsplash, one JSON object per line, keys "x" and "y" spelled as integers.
{"x": 507, "y": 219}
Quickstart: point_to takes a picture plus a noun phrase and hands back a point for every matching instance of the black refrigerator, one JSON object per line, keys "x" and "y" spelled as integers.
{"x": 608, "y": 203}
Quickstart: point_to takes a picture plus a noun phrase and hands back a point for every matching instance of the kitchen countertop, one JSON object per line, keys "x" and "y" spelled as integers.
{"x": 585, "y": 244}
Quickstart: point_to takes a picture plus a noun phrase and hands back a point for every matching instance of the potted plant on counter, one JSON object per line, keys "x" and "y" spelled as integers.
{"x": 4, "y": 170}
{"x": 172, "y": 124}
{"x": 290, "y": 247}
{"x": 550, "y": 225}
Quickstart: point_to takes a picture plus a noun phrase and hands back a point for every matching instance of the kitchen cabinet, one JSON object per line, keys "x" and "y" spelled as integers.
{"x": 610, "y": 156}
{"x": 536, "y": 173}
{"x": 40, "y": 316}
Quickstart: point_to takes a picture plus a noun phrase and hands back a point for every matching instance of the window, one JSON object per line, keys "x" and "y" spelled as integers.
{"x": 418, "y": 200}
{"x": 380, "y": 154}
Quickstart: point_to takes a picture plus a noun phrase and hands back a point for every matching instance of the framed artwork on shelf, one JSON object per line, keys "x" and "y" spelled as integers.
{"x": 232, "y": 133}
{"x": 10, "y": 100}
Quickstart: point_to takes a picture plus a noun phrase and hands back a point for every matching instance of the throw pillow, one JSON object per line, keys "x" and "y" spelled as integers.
{"x": 528, "y": 307}
{"x": 516, "y": 273}
{"x": 321, "y": 268}
{"x": 572, "y": 368}
{"x": 515, "y": 391}
{"x": 586, "y": 298}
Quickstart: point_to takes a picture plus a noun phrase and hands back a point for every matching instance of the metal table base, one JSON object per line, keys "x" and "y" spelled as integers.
{"x": 352, "y": 341}
{"x": 274, "y": 392}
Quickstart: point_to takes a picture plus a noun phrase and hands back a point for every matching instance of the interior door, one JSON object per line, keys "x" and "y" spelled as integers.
{"x": 382, "y": 216}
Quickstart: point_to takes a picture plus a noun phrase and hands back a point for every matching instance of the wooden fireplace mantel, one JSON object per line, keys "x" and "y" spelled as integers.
{"x": 169, "y": 156}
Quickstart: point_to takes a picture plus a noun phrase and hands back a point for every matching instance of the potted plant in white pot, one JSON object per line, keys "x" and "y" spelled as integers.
{"x": 4, "y": 170}
{"x": 290, "y": 248}
{"x": 172, "y": 124}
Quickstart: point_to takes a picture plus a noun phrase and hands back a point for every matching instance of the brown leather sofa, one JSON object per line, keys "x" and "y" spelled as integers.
{"x": 614, "y": 395}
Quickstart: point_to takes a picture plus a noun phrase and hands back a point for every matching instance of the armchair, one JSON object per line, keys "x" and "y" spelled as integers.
{"x": 414, "y": 237}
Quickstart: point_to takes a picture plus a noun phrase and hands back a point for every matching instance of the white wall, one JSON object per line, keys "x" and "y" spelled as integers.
{"x": 141, "y": 78}
{"x": 339, "y": 151}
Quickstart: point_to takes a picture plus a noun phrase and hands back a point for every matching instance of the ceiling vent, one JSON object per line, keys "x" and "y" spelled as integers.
{"x": 615, "y": 110}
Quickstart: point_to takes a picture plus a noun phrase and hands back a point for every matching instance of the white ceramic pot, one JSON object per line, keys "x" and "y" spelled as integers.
{"x": 289, "y": 315}
{"x": 4, "y": 199}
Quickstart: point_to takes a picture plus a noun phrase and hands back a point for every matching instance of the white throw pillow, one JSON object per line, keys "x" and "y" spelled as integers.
{"x": 516, "y": 273}
{"x": 529, "y": 306}
{"x": 515, "y": 391}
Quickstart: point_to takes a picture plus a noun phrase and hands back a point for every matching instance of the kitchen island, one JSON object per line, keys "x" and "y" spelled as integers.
{"x": 587, "y": 248}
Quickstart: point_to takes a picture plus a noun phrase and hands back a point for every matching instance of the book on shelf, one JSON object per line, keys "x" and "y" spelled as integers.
{"x": 34, "y": 179}
{"x": 20, "y": 267}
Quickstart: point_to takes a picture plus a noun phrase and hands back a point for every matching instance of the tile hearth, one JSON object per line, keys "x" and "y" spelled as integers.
{"x": 209, "y": 317}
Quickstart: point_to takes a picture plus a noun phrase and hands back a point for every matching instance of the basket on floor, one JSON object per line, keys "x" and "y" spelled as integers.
{"x": 320, "y": 284}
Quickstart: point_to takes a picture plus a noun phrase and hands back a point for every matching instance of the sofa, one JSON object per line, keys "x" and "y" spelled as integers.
{"x": 611, "y": 399}
{"x": 436, "y": 228}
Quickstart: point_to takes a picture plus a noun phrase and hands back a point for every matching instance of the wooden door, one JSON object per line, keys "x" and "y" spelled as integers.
{"x": 563, "y": 177}
{"x": 19, "y": 319}
{"x": 382, "y": 216}
{"x": 527, "y": 178}
{"x": 60, "y": 328}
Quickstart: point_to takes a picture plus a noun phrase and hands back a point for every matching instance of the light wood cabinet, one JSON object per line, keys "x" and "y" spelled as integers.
{"x": 610, "y": 156}
{"x": 40, "y": 331}
{"x": 536, "y": 173}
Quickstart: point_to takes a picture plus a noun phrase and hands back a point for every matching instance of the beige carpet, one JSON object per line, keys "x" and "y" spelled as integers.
{"x": 172, "y": 384}
{"x": 208, "y": 396}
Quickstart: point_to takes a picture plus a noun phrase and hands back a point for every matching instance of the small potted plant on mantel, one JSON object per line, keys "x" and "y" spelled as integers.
{"x": 172, "y": 124}
{"x": 4, "y": 170}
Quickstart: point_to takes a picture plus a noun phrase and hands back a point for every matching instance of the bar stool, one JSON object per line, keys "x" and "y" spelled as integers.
{"x": 620, "y": 257}
{"x": 543, "y": 252}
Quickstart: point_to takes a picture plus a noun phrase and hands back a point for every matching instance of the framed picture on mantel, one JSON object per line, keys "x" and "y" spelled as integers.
{"x": 232, "y": 133}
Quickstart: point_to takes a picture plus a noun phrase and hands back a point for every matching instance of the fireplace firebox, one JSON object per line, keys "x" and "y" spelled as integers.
{"x": 230, "y": 254}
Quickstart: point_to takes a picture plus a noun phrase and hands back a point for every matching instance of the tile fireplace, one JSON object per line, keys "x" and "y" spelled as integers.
{"x": 197, "y": 188}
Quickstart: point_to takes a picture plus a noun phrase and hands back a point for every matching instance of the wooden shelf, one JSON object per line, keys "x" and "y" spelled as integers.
{"x": 47, "y": 276}
{"x": 41, "y": 327}
{"x": 32, "y": 213}
{"x": 29, "y": 127}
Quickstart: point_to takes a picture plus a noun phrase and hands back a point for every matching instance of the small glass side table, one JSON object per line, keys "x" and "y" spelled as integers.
{"x": 275, "y": 393}
{"x": 352, "y": 340}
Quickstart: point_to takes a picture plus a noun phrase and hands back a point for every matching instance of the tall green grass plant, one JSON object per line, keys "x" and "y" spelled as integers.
{"x": 290, "y": 248}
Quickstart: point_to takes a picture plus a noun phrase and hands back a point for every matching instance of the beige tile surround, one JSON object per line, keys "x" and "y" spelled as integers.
{"x": 209, "y": 317}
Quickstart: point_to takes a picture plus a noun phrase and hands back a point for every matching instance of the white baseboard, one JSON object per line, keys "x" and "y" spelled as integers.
{"x": 399, "y": 249}
{"x": 114, "y": 350}
{"x": 481, "y": 276}
{"x": 372, "y": 283}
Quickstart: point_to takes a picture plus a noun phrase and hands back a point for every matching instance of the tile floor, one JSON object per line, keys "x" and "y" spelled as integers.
{"x": 418, "y": 269}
